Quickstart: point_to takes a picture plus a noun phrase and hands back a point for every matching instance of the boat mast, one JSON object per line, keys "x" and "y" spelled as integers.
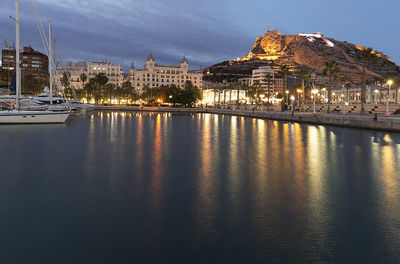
{"x": 50, "y": 65}
{"x": 17, "y": 59}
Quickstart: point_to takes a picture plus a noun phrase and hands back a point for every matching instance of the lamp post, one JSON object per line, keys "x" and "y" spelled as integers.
{"x": 314, "y": 92}
{"x": 287, "y": 96}
{"x": 375, "y": 96}
{"x": 390, "y": 82}
{"x": 262, "y": 98}
{"x": 299, "y": 91}
{"x": 292, "y": 104}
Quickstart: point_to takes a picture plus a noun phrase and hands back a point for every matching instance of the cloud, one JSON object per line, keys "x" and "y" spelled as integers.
{"x": 123, "y": 30}
{"x": 205, "y": 31}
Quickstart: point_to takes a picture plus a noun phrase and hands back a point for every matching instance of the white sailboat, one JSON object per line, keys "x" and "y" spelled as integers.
{"x": 18, "y": 116}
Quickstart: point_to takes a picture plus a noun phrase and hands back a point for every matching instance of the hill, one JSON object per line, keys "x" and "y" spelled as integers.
{"x": 302, "y": 50}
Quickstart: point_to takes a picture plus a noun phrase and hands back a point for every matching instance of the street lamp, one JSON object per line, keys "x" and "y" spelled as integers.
{"x": 287, "y": 95}
{"x": 375, "y": 96}
{"x": 292, "y": 104}
{"x": 299, "y": 91}
{"x": 314, "y": 92}
{"x": 324, "y": 90}
{"x": 140, "y": 103}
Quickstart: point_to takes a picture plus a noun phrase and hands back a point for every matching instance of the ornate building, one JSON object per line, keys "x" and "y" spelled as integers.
{"x": 155, "y": 75}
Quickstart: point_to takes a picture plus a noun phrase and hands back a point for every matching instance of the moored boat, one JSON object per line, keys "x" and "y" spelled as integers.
{"x": 17, "y": 115}
{"x": 32, "y": 117}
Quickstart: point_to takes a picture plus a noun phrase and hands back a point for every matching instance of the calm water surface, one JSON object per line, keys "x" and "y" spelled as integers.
{"x": 161, "y": 188}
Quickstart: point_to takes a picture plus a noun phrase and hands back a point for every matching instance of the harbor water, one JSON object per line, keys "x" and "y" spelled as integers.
{"x": 121, "y": 187}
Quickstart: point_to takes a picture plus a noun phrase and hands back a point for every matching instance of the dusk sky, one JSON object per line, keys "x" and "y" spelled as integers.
{"x": 206, "y": 31}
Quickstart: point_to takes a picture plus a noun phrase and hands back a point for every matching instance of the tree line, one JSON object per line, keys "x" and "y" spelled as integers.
{"x": 101, "y": 91}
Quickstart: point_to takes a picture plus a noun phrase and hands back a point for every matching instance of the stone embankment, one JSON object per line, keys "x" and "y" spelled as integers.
{"x": 379, "y": 122}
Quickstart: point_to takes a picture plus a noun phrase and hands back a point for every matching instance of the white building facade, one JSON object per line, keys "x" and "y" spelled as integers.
{"x": 74, "y": 70}
{"x": 113, "y": 72}
{"x": 259, "y": 75}
{"x": 155, "y": 75}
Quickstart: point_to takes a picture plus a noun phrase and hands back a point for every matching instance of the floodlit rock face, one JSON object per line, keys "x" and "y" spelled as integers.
{"x": 309, "y": 50}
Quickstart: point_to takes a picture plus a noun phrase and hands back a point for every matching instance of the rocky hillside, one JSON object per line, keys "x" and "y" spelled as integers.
{"x": 309, "y": 50}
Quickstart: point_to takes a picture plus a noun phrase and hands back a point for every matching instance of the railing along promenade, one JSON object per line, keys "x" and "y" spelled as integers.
{"x": 374, "y": 118}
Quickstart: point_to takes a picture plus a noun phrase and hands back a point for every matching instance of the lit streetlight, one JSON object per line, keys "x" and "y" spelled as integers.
{"x": 299, "y": 91}
{"x": 292, "y": 98}
{"x": 287, "y": 95}
{"x": 314, "y": 92}
{"x": 390, "y": 82}
{"x": 375, "y": 96}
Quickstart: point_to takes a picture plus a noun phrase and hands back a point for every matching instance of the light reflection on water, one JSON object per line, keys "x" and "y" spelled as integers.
{"x": 222, "y": 189}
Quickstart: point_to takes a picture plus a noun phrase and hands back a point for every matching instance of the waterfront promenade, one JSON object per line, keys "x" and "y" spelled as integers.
{"x": 365, "y": 121}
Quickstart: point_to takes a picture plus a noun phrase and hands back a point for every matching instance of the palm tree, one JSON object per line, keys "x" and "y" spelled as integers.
{"x": 304, "y": 74}
{"x": 220, "y": 88}
{"x": 215, "y": 90}
{"x": 331, "y": 70}
{"x": 284, "y": 71}
{"x": 224, "y": 88}
{"x": 100, "y": 82}
{"x": 396, "y": 81}
{"x": 367, "y": 57}
{"x": 65, "y": 80}
{"x": 246, "y": 91}
{"x": 83, "y": 78}
{"x": 254, "y": 89}
{"x": 230, "y": 92}
{"x": 269, "y": 79}
{"x": 238, "y": 85}
{"x": 380, "y": 81}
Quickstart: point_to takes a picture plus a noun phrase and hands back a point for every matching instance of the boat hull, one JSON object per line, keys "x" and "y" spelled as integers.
{"x": 33, "y": 117}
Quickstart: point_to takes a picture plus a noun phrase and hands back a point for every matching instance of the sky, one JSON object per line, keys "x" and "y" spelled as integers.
{"x": 205, "y": 31}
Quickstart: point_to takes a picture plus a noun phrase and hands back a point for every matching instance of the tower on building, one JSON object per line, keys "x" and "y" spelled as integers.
{"x": 184, "y": 64}
{"x": 132, "y": 68}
